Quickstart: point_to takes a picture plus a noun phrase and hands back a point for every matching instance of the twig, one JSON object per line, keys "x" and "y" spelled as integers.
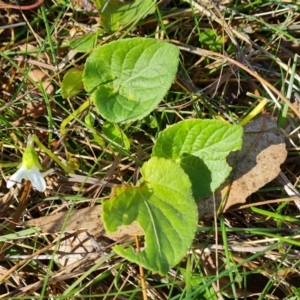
{"x": 4, "y": 5}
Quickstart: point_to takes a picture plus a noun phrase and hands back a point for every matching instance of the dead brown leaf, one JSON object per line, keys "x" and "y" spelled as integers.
{"x": 38, "y": 75}
{"x": 88, "y": 218}
{"x": 254, "y": 166}
{"x": 33, "y": 109}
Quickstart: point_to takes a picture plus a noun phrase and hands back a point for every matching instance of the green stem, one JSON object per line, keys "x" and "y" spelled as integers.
{"x": 78, "y": 111}
{"x": 8, "y": 164}
{"x": 66, "y": 168}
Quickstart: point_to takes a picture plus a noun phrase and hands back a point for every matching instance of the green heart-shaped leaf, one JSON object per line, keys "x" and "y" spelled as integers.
{"x": 116, "y": 13}
{"x": 164, "y": 207}
{"x": 128, "y": 78}
{"x": 201, "y": 148}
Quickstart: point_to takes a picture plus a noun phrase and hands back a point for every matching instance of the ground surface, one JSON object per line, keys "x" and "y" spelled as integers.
{"x": 235, "y": 57}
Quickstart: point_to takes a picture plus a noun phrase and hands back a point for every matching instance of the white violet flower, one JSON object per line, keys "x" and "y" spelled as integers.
{"x": 29, "y": 169}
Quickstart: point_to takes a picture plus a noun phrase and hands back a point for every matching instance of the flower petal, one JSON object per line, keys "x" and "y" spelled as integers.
{"x": 37, "y": 179}
{"x": 17, "y": 177}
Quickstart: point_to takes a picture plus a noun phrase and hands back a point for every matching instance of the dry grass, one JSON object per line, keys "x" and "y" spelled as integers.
{"x": 247, "y": 253}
